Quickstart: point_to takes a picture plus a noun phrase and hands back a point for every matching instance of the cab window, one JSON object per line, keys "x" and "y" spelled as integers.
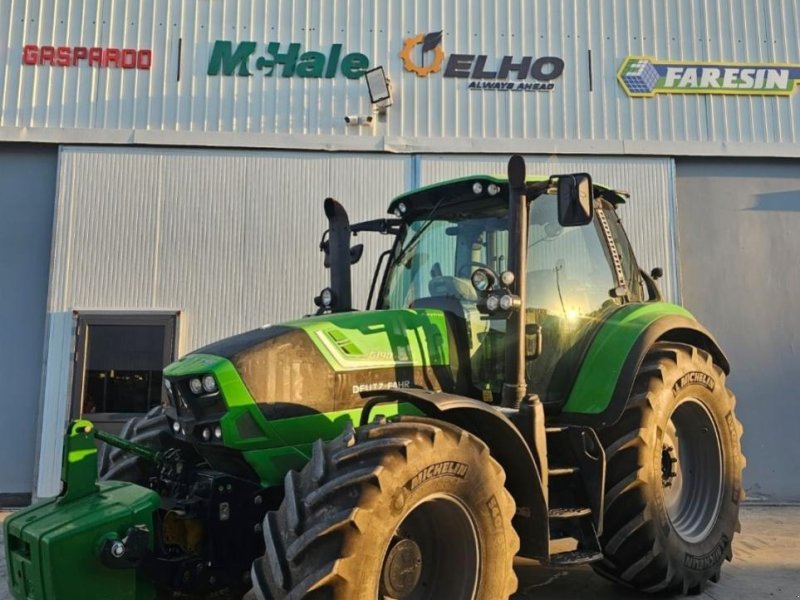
{"x": 569, "y": 286}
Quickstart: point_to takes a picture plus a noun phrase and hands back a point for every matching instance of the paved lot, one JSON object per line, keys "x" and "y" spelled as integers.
{"x": 766, "y": 565}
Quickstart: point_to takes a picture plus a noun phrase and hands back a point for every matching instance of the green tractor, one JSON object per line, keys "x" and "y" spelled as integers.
{"x": 518, "y": 380}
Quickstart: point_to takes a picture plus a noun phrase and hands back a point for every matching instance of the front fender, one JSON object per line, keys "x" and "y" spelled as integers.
{"x": 612, "y": 361}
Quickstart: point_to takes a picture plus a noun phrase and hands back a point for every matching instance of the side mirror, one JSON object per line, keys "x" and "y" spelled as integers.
{"x": 574, "y": 200}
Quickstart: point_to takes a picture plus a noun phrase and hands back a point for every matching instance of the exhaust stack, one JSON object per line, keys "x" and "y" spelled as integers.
{"x": 338, "y": 255}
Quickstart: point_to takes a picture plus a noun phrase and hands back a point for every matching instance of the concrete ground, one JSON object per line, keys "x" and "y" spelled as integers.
{"x": 766, "y": 565}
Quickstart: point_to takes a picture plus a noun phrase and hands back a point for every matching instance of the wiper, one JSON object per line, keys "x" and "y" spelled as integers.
{"x": 414, "y": 238}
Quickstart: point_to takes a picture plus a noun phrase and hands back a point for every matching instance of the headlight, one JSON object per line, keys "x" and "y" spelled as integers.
{"x": 326, "y": 297}
{"x": 493, "y": 189}
{"x": 176, "y": 427}
{"x": 492, "y": 303}
{"x": 206, "y": 434}
{"x": 218, "y": 432}
{"x": 482, "y": 280}
{"x": 196, "y": 386}
{"x": 209, "y": 384}
{"x": 477, "y": 188}
{"x": 508, "y": 302}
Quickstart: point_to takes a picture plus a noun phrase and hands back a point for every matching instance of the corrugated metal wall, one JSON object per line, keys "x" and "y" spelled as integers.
{"x": 229, "y": 237}
{"x": 430, "y": 114}
{"x": 648, "y": 217}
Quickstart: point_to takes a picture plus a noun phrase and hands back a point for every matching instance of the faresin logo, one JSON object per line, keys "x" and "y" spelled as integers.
{"x": 644, "y": 77}
{"x": 423, "y": 55}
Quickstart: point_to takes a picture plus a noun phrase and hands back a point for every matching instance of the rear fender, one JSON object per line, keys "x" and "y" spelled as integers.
{"x": 606, "y": 378}
{"x": 507, "y": 446}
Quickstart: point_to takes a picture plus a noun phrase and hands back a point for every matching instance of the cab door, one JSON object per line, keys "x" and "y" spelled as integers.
{"x": 572, "y": 286}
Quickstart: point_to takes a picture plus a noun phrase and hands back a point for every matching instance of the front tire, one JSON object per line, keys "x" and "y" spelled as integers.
{"x": 151, "y": 430}
{"x": 412, "y": 509}
{"x": 674, "y": 475}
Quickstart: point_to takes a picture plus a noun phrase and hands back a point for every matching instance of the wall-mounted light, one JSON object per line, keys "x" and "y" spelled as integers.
{"x": 380, "y": 93}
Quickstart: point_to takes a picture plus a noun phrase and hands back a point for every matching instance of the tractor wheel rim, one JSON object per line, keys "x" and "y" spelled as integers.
{"x": 692, "y": 470}
{"x": 434, "y": 553}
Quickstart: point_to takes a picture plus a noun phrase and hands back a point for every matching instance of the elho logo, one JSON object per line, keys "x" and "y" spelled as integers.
{"x": 423, "y": 55}
{"x": 644, "y": 77}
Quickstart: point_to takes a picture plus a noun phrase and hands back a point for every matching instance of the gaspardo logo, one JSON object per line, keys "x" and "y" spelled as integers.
{"x": 424, "y": 55}
{"x": 644, "y": 77}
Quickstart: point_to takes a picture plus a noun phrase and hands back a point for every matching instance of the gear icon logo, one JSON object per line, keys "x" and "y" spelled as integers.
{"x": 431, "y": 42}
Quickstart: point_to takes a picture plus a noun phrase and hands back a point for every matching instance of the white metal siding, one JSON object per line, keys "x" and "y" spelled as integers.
{"x": 647, "y": 217}
{"x": 434, "y": 114}
{"x": 229, "y": 237}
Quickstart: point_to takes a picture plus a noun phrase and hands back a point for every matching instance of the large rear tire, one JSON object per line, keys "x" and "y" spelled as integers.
{"x": 411, "y": 509}
{"x": 151, "y": 430}
{"x": 674, "y": 475}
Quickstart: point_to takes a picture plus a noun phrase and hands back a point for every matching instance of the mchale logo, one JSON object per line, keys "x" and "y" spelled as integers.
{"x": 644, "y": 77}
{"x": 496, "y": 76}
{"x": 69, "y": 56}
{"x": 294, "y": 63}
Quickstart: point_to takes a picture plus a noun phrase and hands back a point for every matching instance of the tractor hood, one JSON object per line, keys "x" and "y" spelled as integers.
{"x": 325, "y": 363}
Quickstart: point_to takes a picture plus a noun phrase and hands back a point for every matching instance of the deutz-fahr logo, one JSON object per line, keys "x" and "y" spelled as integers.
{"x": 423, "y": 55}
{"x": 644, "y": 77}
{"x": 288, "y": 62}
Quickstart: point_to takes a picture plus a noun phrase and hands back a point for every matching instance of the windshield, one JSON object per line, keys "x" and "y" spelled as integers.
{"x": 437, "y": 253}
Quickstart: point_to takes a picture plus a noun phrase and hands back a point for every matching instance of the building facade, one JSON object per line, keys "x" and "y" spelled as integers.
{"x": 163, "y": 166}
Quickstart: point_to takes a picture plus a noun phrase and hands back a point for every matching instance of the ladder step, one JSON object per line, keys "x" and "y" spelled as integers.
{"x": 575, "y": 557}
{"x": 569, "y": 513}
{"x": 556, "y": 471}
{"x": 556, "y": 429}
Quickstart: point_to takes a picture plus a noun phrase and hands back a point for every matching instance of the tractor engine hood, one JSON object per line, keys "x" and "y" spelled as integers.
{"x": 325, "y": 363}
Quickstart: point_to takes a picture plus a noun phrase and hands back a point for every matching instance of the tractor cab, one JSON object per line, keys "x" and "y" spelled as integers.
{"x": 467, "y": 248}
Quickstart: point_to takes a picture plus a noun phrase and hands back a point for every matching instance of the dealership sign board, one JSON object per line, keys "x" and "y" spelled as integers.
{"x": 644, "y": 77}
{"x": 423, "y": 55}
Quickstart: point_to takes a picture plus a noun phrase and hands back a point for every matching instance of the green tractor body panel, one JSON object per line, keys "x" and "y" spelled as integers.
{"x": 603, "y": 363}
{"x": 288, "y": 385}
{"x": 53, "y": 547}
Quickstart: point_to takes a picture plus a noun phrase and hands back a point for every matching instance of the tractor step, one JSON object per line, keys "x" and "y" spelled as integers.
{"x": 575, "y": 557}
{"x": 569, "y": 513}
{"x": 560, "y": 471}
{"x": 556, "y": 429}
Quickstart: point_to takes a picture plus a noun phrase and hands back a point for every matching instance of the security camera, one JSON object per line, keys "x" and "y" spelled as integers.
{"x": 351, "y": 119}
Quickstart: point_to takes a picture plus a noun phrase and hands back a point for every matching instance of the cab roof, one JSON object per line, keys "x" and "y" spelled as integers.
{"x": 426, "y": 197}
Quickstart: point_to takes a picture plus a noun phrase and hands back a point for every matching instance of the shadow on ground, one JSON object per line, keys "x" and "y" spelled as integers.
{"x": 766, "y": 564}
